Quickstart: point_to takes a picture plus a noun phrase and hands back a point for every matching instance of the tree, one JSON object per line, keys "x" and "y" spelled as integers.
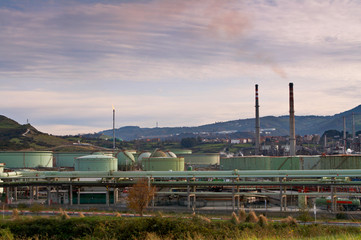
{"x": 188, "y": 142}
{"x": 140, "y": 195}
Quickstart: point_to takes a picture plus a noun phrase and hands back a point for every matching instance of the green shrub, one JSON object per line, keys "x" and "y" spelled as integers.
{"x": 341, "y": 216}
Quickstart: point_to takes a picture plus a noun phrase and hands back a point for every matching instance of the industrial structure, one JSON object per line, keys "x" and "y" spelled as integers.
{"x": 183, "y": 178}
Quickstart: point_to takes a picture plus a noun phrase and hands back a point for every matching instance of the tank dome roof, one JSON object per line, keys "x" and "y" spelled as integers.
{"x": 159, "y": 154}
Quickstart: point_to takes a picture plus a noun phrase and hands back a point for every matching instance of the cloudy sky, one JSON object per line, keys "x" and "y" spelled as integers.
{"x": 63, "y": 64}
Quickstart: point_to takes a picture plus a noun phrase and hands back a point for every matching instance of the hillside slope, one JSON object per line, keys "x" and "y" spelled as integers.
{"x": 14, "y": 136}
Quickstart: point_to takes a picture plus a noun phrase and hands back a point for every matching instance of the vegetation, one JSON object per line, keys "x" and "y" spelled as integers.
{"x": 159, "y": 227}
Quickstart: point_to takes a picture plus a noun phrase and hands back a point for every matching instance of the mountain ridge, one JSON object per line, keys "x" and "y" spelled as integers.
{"x": 309, "y": 124}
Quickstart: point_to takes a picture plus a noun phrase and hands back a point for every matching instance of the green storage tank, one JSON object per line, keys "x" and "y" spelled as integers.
{"x": 67, "y": 159}
{"x": 341, "y": 162}
{"x": 181, "y": 151}
{"x": 96, "y": 163}
{"x": 246, "y": 163}
{"x": 285, "y": 163}
{"x": 163, "y": 164}
{"x": 142, "y": 155}
{"x": 202, "y": 159}
{"x": 27, "y": 159}
{"x": 310, "y": 162}
{"x": 125, "y": 160}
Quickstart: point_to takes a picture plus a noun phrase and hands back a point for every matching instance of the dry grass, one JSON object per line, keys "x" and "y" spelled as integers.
{"x": 235, "y": 219}
{"x": 263, "y": 221}
{"x": 289, "y": 220}
{"x": 252, "y": 217}
{"x": 15, "y": 214}
{"x": 242, "y": 215}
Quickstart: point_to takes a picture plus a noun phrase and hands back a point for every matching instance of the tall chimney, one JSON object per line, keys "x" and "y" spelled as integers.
{"x": 257, "y": 124}
{"x": 113, "y": 127}
{"x": 292, "y": 123}
{"x": 353, "y": 126}
{"x": 344, "y": 135}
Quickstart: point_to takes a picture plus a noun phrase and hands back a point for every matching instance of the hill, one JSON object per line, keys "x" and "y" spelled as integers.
{"x": 14, "y": 136}
{"x": 274, "y": 126}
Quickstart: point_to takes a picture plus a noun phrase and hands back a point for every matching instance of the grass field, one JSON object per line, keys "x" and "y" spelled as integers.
{"x": 158, "y": 227}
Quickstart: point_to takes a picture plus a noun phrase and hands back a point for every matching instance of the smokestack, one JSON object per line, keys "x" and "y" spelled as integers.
{"x": 292, "y": 123}
{"x": 353, "y": 126}
{"x": 257, "y": 124}
{"x": 113, "y": 127}
{"x": 344, "y": 134}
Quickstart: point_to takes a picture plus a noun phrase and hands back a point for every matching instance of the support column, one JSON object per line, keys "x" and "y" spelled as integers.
{"x": 194, "y": 197}
{"x": 8, "y": 195}
{"x": 71, "y": 195}
{"x": 15, "y": 194}
{"x": 281, "y": 198}
{"x": 37, "y": 192}
{"x": 238, "y": 199}
{"x": 48, "y": 191}
{"x": 78, "y": 196}
{"x": 107, "y": 197}
{"x": 233, "y": 199}
{"x": 333, "y": 205}
{"x": 285, "y": 199}
{"x": 31, "y": 194}
{"x": 115, "y": 196}
{"x": 57, "y": 196}
{"x": 188, "y": 195}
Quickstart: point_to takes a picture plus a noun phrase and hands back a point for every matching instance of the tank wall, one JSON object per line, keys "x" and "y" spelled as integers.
{"x": 201, "y": 159}
{"x": 310, "y": 162}
{"x": 125, "y": 158}
{"x": 163, "y": 164}
{"x": 285, "y": 163}
{"x": 26, "y": 159}
{"x": 68, "y": 159}
{"x": 96, "y": 164}
{"x": 341, "y": 162}
{"x": 181, "y": 151}
{"x": 245, "y": 163}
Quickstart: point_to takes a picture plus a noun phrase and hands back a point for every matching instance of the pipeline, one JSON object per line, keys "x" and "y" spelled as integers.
{"x": 185, "y": 174}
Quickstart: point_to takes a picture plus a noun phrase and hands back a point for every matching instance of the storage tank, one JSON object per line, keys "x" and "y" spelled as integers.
{"x": 143, "y": 155}
{"x": 246, "y": 163}
{"x": 125, "y": 160}
{"x": 67, "y": 159}
{"x": 27, "y": 159}
{"x": 181, "y": 152}
{"x": 285, "y": 163}
{"x": 170, "y": 154}
{"x": 202, "y": 159}
{"x": 96, "y": 163}
{"x": 163, "y": 164}
{"x": 341, "y": 162}
{"x": 158, "y": 153}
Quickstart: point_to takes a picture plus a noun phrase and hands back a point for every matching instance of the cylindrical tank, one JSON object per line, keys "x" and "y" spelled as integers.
{"x": 163, "y": 164}
{"x": 181, "y": 151}
{"x": 202, "y": 159}
{"x": 96, "y": 163}
{"x": 143, "y": 155}
{"x": 125, "y": 159}
{"x": 158, "y": 153}
{"x": 246, "y": 163}
{"x": 67, "y": 159}
{"x": 170, "y": 154}
{"x": 27, "y": 159}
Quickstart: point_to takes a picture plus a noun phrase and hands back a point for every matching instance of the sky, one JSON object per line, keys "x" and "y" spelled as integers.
{"x": 63, "y": 64}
